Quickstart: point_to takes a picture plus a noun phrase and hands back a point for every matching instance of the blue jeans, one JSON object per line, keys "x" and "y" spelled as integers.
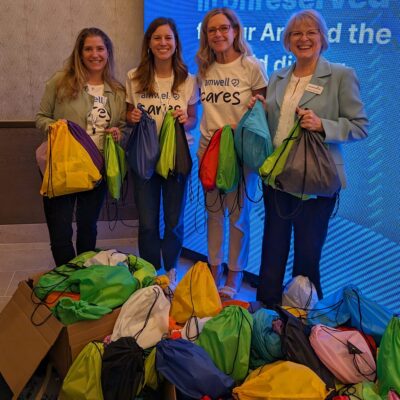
{"x": 148, "y": 202}
{"x": 310, "y": 227}
{"x": 59, "y": 216}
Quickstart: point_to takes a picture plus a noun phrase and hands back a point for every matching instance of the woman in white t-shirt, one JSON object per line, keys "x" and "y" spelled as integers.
{"x": 229, "y": 76}
{"x": 160, "y": 83}
{"x": 86, "y": 93}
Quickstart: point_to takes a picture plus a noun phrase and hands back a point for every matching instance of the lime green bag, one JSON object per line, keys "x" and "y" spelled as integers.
{"x": 228, "y": 167}
{"x": 142, "y": 270}
{"x": 227, "y": 338}
{"x": 274, "y": 164}
{"x": 83, "y": 379}
{"x": 166, "y": 162}
{"x": 388, "y": 365}
{"x": 115, "y": 164}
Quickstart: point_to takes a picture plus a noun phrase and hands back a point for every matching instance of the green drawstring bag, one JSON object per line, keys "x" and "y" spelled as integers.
{"x": 83, "y": 379}
{"x": 227, "y": 338}
{"x": 115, "y": 165}
{"x": 166, "y": 162}
{"x": 69, "y": 311}
{"x": 141, "y": 269}
{"x": 104, "y": 285}
{"x": 228, "y": 167}
{"x": 388, "y": 365}
{"x": 150, "y": 372}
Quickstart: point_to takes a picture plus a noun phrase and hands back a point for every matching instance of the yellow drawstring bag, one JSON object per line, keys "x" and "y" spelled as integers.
{"x": 281, "y": 380}
{"x": 196, "y": 295}
{"x": 69, "y": 166}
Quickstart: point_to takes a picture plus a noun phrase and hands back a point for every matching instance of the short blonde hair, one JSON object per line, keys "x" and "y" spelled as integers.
{"x": 309, "y": 16}
{"x": 205, "y": 55}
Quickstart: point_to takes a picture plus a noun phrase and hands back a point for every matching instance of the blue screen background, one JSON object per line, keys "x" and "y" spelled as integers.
{"x": 363, "y": 245}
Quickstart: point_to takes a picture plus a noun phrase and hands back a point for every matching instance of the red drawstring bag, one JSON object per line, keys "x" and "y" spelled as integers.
{"x": 209, "y": 162}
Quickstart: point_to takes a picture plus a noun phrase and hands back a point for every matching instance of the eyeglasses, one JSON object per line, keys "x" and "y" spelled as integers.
{"x": 222, "y": 28}
{"x": 311, "y": 34}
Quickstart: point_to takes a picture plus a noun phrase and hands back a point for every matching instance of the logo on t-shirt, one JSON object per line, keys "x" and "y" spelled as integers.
{"x": 221, "y": 91}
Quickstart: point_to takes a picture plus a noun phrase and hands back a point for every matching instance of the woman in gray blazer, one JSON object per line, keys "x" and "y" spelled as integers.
{"x": 327, "y": 97}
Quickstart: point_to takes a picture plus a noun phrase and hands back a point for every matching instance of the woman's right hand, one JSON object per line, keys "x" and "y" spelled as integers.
{"x": 254, "y": 99}
{"x": 133, "y": 116}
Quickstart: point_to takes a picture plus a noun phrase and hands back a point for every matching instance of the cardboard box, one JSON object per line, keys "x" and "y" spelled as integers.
{"x": 29, "y": 331}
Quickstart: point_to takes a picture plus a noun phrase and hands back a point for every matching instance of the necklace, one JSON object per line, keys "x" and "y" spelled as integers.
{"x": 164, "y": 102}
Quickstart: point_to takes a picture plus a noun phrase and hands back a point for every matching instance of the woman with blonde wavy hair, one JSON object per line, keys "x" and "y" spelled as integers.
{"x": 229, "y": 76}
{"x": 86, "y": 93}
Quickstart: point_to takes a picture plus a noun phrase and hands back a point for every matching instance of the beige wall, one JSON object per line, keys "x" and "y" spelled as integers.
{"x": 36, "y": 36}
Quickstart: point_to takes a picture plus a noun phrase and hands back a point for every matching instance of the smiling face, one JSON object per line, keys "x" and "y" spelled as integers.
{"x": 94, "y": 54}
{"x": 305, "y": 41}
{"x": 162, "y": 43}
{"x": 221, "y": 35}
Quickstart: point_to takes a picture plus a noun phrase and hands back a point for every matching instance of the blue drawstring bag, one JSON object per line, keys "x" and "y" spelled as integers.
{"x": 348, "y": 306}
{"x": 252, "y": 137}
{"x": 265, "y": 343}
{"x": 190, "y": 369}
{"x": 143, "y": 149}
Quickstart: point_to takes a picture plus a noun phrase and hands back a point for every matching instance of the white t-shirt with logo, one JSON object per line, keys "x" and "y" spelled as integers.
{"x": 98, "y": 118}
{"x": 157, "y": 104}
{"x": 226, "y": 91}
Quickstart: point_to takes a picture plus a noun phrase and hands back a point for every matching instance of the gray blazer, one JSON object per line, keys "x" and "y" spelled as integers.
{"x": 339, "y": 106}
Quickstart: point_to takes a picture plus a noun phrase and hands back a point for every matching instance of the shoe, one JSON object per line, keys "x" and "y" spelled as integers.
{"x": 232, "y": 285}
{"x": 172, "y": 276}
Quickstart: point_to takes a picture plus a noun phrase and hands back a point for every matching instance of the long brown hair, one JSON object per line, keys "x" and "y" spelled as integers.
{"x": 205, "y": 55}
{"x": 145, "y": 72}
{"x": 75, "y": 73}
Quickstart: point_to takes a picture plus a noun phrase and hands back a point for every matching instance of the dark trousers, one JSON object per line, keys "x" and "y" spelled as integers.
{"x": 310, "y": 227}
{"x": 148, "y": 202}
{"x": 59, "y": 216}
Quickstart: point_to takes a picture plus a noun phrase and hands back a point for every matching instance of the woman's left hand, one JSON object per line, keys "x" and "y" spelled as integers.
{"x": 310, "y": 120}
{"x": 181, "y": 115}
{"x": 115, "y": 133}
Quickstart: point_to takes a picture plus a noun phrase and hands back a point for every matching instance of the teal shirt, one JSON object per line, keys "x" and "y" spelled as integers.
{"x": 76, "y": 110}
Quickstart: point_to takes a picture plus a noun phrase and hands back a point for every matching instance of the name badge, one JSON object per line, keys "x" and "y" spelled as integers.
{"x": 314, "y": 88}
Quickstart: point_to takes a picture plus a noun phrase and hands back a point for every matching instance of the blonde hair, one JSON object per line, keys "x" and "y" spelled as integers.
{"x": 309, "y": 16}
{"x": 145, "y": 72}
{"x": 205, "y": 55}
{"x": 75, "y": 74}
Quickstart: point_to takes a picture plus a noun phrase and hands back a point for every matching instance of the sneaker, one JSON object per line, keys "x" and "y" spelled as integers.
{"x": 172, "y": 279}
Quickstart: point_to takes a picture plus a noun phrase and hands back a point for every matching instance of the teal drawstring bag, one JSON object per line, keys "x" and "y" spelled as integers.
{"x": 265, "y": 343}
{"x": 388, "y": 365}
{"x": 115, "y": 164}
{"x": 83, "y": 380}
{"x": 227, "y": 338}
{"x": 166, "y": 162}
{"x": 228, "y": 167}
{"x": 253, "y": 142}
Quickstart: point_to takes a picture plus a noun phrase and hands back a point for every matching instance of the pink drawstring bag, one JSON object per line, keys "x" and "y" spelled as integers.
{"x": 345, "y": 353}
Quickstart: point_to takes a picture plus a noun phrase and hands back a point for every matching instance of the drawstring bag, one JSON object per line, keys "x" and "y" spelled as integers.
{"x": 115, "y": 163}
{"x": 265, "y": 342}
{"x": 281, "y": 380}
{"x": 166, "y": 162}
{"x": 300, "y": 292}
{"x": 209, "y": 162}
{"x": 144, "y": 317}
{"x": 122, "y": 373}
{"x": 196, "y": 295}
{"x": 389, "y": 358}
{"x": 274, "y": 164}
{"x": 296, "y": 347}
{"x": 193, "y": 328}
{"x": 70, "y": 168}
{"x": 228, "y": 168}
{"x": 143, "y": 149}
{"x": 252, "y": 137}
{"x": 141, "y": 269}
{"x": 183, "y": 159}
{"x": 190, "y": 369}
{"x": 345, "y": 353}
{"x": 83, "y": 380}
{"x": 309, "y": 167}
{"x": 227, "y": 338}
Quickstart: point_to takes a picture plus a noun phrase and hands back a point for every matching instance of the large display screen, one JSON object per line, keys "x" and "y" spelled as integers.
{"x": 363, "y": 246}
